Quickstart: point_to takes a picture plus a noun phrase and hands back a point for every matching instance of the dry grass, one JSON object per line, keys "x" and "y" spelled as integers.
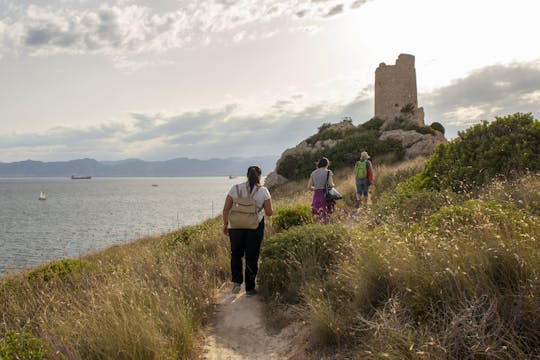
{"x": 460, "y": 280}
{"x": 143, "y": 300}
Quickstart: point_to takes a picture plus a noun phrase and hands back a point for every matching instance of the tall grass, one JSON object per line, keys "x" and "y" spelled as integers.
{"x": 429, "y": 275}
{"x": 144, "y": 300}
{"x": 455, "y": 276}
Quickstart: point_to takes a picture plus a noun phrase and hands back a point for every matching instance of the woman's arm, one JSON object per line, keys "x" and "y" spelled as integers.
{"x": 226, "y": 209}
{"x": 268, "y": 211}
{"x": 331, "y": 180}
{"x": 310, "y": 184}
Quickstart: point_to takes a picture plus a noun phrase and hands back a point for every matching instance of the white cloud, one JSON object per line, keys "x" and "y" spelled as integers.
{"x": 532, "y": 97}
{"x": 128, "y": 28}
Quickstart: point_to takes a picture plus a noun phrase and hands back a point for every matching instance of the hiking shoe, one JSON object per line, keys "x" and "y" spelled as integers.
{"x": 251, "y": 292}
{"x": 357, "y": 204}
{"x": 236, "y": 288}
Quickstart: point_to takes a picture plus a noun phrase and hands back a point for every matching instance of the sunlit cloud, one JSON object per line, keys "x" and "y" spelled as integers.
{"x": 131, "y": 28}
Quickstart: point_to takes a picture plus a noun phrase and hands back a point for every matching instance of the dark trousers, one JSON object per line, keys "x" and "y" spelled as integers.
{"x": 245, "y": 242}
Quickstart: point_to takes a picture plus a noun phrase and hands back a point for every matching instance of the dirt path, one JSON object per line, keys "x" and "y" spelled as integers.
{"x": 239, "y": 332}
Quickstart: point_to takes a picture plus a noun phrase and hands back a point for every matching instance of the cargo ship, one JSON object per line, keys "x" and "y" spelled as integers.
{"x": 76, "y": 177}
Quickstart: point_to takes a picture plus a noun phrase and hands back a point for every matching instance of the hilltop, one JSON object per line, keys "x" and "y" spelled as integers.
{"x": 387, "y": 141}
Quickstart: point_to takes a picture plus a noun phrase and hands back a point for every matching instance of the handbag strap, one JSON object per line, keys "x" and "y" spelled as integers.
{"x": 327, "y": 176}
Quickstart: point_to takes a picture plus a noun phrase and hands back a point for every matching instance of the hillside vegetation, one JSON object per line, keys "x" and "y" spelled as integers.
{"x": 444, "y": 272}
{"x": 430, "y": 270}
{"x": 345, "y": 153}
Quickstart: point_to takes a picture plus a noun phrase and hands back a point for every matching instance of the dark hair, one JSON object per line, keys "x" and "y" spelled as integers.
{"x": 323, "y": 162}
{"x": 254, "y": 176}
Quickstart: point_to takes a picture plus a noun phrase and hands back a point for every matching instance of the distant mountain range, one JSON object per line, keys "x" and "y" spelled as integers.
{"x": 136, "y": 167}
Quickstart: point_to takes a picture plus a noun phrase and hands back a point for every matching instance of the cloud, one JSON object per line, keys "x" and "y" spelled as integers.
{"x": 338, "y": 9}
{"x": 129, "y": 27}
{"x": 207, "y": 133}
{"x": 491, "y": 91}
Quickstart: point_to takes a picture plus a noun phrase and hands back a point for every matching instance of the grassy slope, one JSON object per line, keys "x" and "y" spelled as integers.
{"x": 416, "y": 281}
{"x": 420, "y": 274}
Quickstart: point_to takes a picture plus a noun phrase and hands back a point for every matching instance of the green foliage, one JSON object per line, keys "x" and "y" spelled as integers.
{"x": 61, "y": 270}
{"x": 287, "y": 218}
{"x": 181, "y": 236}
{"x": 407, "y": 109}
{"x": 507, "y": 146}
{"x": 372, "y": 124}
{"x": 438, "y": 126}
{"x": 23, "y": 346}
{"x": 409, "y": 202}
{"x": 345, "y": 153}
{"x": 297, "y": 257}
{"x": 422, "y": 129}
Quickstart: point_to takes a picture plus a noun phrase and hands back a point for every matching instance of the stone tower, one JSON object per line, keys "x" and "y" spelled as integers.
{"x": 395, "y": 93}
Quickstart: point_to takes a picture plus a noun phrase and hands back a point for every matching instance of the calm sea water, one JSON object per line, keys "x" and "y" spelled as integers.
{"x": 81, "y": 216}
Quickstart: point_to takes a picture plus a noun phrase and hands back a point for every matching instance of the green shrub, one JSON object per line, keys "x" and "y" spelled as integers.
{"x": 294, "y": 258}
{"x": 372, "y": 124}
{"x": 408, "y": 203}
{"x": 344, "y": 154}
{"x": 61, "y": 270}
{"x": 287, "y": 218}
{"x": 422, "y": 129}
{"x": 509, "y": 145}
{"x": 23, "y": 346}
{"x": 181, "y": 236}
{"x": 438, "y": 127}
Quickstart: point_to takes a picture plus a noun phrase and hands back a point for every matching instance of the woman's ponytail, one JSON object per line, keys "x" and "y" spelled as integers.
{"x": 254, "y": 176}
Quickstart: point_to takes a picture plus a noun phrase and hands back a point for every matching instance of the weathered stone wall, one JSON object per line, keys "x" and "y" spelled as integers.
{"x": 395, "y": 88}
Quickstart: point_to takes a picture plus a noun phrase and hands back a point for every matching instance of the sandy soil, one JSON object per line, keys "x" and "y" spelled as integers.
{"x": 239, "y": 332}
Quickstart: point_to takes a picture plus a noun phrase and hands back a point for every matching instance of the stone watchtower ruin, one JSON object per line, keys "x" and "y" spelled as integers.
{"x": 396, "y": 94}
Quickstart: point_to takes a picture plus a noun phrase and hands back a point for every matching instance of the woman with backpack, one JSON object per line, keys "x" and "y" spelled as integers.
{"x": 320, "y": 207}
{"x": 243, "y": 221}
{"x": 363, "y": 171}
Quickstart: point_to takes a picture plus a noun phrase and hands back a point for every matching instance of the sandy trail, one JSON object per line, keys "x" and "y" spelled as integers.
{"x": 238, "y": 331}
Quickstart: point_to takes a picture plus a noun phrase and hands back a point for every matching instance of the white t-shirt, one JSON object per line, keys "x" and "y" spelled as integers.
{"x": 261, "y": 195}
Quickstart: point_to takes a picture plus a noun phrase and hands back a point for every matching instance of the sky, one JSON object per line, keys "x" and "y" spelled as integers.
{"x": 161, "y": 79}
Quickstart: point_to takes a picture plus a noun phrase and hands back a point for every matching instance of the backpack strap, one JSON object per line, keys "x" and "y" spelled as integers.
{"x": 238, "y": 191}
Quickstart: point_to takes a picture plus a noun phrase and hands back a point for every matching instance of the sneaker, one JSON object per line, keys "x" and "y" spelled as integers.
{"x": 236, "y": 288}
{"x": 251, "y": 292}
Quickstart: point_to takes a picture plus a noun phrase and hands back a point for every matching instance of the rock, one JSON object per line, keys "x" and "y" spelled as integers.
{"x": 274, "y": 179}
{"x": 415, "y": 144}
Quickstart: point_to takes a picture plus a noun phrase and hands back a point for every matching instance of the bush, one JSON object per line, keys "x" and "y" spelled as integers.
{"x": 408, "y": 202}
{"x": 295, "y": 258}
{"x": 287, "y": 218}
{"x": 23, "y": 346}
{"x": 508, "y": 146}
{"x": 372, "y": 124}
{"x": 438, "y": 127}
{"x": 343, "y": 154}
{"x": 422, "y": 129}
{"x": 61, "y": 270}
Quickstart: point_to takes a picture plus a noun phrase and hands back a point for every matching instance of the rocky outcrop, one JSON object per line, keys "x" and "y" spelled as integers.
{"x": 275, "y": 179}
{"x": 415, "y": 144}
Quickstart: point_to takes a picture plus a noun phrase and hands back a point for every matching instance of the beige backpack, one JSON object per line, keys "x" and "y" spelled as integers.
{"x": 244, "y": 212}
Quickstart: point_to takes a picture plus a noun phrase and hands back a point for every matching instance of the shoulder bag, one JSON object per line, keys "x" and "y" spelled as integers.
{"x": 330, "y": 192}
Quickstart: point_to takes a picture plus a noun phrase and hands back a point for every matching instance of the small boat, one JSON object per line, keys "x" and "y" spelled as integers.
{"x": 155, "y": 185}
{"x": 76, "y": 177}
{"x": 42, "y": 196}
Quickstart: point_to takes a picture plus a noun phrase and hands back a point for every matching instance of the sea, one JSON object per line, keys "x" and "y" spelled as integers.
{"x": 79, "y": 217}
